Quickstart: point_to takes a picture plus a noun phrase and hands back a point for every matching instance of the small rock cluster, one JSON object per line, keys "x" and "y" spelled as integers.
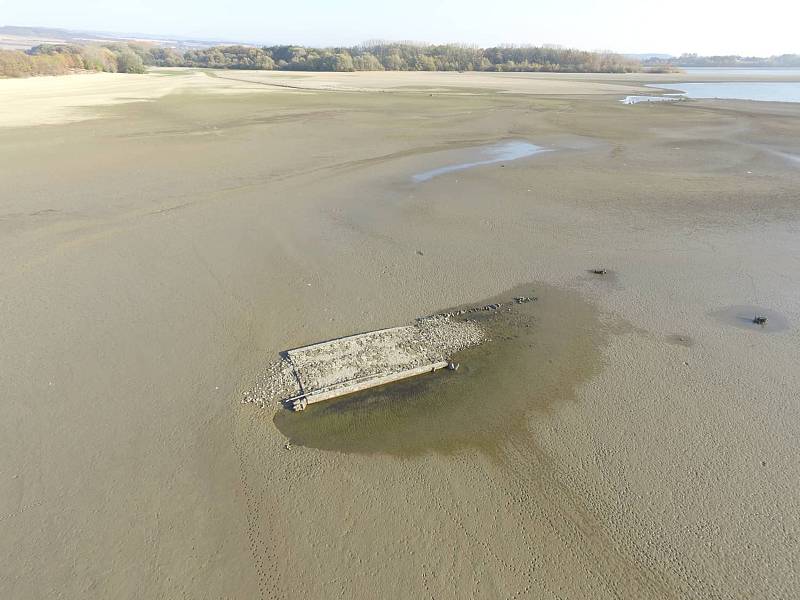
{"x": 447, "y": 336}
{"x": 489, "y": 307}
{"x": 277, "y": 383}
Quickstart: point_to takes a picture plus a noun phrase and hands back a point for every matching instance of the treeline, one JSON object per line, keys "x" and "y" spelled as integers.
{"x": 375, "y": 56}
{"x": 60, "y": 59}
{"x": 379, "y": 56}
{"x": 732, "y": 61}
{"x": 128, "y": 57}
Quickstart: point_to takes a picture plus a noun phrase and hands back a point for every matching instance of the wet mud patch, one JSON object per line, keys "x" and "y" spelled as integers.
{"x": 754, "y": 318}
{"x": 537, "y": 355}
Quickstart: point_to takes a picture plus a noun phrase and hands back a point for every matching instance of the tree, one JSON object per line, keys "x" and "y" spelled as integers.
{"x": 342, "y": 61}
{"x": 393, "y": 62}
{"x": 130, "y": 62}
{"x": 367, "y": 62}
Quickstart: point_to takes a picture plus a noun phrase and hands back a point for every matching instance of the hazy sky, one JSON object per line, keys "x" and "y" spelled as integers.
{"x": 672, "y": 26}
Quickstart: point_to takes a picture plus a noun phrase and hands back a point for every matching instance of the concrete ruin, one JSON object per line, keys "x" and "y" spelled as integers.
{"x": 362, "y": 361}
{"x": 350, "y": 364}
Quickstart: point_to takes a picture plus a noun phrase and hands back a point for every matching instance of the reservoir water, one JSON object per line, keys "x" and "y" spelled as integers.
{"x": 761, "y": 91}
{"x": 759, "y": 73}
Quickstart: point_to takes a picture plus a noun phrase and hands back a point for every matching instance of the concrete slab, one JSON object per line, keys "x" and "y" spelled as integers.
{"x": 357, "y": 362}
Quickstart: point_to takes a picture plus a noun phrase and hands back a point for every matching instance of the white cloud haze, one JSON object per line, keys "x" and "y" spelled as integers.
{"x": 702, "y": 26}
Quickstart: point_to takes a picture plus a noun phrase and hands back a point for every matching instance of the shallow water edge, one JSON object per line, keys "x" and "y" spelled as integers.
{"x": 537, "y": 355}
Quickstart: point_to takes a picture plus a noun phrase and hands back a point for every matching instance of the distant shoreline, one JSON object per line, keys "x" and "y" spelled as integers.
{"x": 135, "y": 57}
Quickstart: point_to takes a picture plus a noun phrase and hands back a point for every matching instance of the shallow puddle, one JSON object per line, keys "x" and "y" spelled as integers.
{"x": 467, "y": 158}
{"x": 745, "y": 317}
{"x": 537, "y": 356}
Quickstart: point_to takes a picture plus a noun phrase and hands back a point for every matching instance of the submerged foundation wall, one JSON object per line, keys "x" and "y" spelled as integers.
{"x": 350, "y": 364}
